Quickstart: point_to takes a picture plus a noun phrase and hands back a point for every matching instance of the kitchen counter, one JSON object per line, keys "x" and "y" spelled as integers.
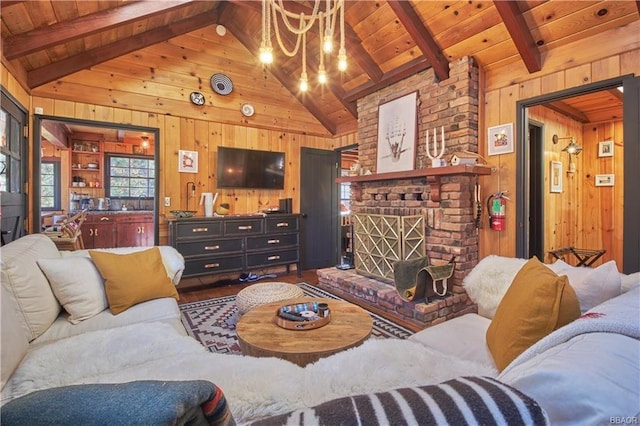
{"x": 116, "y": 212}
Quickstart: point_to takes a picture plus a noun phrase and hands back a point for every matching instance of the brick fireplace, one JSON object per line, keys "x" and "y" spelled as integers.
{"x": 444, "y": 197}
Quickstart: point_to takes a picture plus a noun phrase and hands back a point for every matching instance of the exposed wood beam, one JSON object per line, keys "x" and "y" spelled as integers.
{"x": 63, "y": 32}
{"x": 93, "y": 57}
{"x": 7, "y": 3}
{"x": 54, "y": 132}
{"x": 422, "y": 37}
{"x": 394, "y": 76}
{"x": 520, "y": 34}
{"x": 353, "y": 42}
{"x": 616, "y": 94}
{"x": 568, "y": 110}
{"x": 284, "y": 79}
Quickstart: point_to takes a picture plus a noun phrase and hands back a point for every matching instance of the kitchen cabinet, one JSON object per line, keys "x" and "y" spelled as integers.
{"x": 99, "y": 231}
{"x": 135, "y": 230}
{"x": 237, "y": 243}
{"x": 118, "y": 229}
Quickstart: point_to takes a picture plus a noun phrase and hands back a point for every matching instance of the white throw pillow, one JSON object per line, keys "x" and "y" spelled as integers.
{"x": 77, "y": 285}
{"x": 592, "y": 285}
{"x": 35, "y": 303}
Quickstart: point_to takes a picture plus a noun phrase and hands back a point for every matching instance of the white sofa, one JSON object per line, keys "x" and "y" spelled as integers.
{"x": 32, "y": 316}
{"x": 584, "y": 373}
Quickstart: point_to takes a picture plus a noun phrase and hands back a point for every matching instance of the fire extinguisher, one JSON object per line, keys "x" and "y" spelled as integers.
{"x": 497, "y": 206}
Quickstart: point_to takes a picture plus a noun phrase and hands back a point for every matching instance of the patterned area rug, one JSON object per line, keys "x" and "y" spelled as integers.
{"x": 212, "y": 322}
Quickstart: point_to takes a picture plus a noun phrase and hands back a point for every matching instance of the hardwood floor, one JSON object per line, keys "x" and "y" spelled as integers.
{"x": 202, "y": 288}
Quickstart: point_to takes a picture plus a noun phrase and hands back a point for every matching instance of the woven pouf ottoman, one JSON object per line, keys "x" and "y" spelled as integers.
{"x": 259, "y": 294}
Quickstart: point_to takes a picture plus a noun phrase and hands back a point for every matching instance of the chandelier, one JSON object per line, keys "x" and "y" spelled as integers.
{"x": 299, "y": 24}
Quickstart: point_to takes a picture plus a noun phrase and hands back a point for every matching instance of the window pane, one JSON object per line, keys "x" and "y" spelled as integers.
{"x": 131, "y": 177}
{"x": 50, "y": 195}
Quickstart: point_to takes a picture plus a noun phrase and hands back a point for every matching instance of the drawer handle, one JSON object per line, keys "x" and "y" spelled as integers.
{"x": 276, "y": 257}
{"x": 283, "y": 225}
{"x": 211, "y": 247}
{"x": 104, "y": 218}
{"x": 199, "y": 229}
{"x": 212, "y": 265}
{"x": 273, "y": 241}
{"x": 245, "y": 228}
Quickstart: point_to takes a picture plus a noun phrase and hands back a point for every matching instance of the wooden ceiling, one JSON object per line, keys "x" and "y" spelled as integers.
{"x": 49, "y": 41}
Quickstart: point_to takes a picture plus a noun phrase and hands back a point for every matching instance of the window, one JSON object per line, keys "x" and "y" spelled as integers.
{"x": 130, "y": 176}
{"x": 50, "y": 185}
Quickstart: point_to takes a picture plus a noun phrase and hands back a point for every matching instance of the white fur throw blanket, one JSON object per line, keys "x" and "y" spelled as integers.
{"x": 620, "y": 315}
{"x": 489, "y": 280}
{"x": 254, "y": 387}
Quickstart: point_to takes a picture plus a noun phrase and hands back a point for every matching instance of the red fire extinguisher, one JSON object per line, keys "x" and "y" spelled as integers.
{"x": 497, "y": 206}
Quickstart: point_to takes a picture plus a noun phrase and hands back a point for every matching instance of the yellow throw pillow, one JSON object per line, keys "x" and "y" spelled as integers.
{"x": 133, "y": 278}
{"x": 537, "y": 303}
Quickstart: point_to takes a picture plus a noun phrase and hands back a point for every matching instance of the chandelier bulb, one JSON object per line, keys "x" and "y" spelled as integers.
{"x": 328, "y": 45}
{"x": 266, "y": 55}
{"x": 322, "y": 76}
{"x": 342, "y": 60}
{"x": 304, "y": 84}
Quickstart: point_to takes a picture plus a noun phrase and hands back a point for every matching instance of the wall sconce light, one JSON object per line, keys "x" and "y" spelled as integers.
{"x": 572, "y": 149}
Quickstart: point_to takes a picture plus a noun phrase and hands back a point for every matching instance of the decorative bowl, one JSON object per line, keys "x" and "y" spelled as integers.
{"x": 183, "y": 213}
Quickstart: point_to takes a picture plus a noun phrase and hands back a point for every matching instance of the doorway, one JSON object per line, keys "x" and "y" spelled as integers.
{"x": 85, "y": 151}
{"x": 536, "y": 191}
{"x": 528, "y": 209}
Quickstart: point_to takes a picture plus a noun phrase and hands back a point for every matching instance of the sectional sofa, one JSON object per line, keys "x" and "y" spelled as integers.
{"x": 578, "y": 364}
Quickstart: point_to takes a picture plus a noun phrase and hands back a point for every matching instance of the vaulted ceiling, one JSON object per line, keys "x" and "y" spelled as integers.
{"x": 48, "y": 41}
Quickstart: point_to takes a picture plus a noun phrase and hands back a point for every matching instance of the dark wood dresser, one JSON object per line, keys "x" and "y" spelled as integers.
{"x": 212, "y": 245}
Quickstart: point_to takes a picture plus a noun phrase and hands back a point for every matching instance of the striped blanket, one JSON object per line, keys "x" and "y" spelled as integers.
{"x": 461, "y": 401}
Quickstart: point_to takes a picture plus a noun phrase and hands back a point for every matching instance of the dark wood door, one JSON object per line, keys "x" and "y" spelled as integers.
{"x": 13, "y": 163}
{"x": 319, "y": 208}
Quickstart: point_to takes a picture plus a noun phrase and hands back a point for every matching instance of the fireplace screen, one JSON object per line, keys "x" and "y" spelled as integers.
{"x": 381, "y": 240}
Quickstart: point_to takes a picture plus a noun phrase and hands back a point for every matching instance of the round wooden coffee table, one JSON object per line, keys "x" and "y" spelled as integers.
{"x": 260, "y": 336}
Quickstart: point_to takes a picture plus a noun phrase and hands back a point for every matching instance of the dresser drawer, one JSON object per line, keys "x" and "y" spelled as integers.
{"x": 282, "y": 224}
{"x": 199, "y": 229}
{"x": 211, "y": 246}
{"x": 272, "y": 241}
{"x": 211, "y": 266}
{"x": 243, "y": 227}
{"x": 272, "y": 258}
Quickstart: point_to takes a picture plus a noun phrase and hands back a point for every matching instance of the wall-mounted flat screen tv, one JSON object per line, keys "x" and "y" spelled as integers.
{"x": 250, "y": 168}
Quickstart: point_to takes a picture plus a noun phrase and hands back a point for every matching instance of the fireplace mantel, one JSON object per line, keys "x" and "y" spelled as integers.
{"x": 432, "y": 174}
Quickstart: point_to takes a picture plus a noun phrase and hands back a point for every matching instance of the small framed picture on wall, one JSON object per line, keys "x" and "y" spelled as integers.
{"x": 500, "y": 139}
{"x": 555, "y": 178}
{"x": 605, "y": 180}
{"x": 605, "y": 149}
{"x": 187, "y": 161}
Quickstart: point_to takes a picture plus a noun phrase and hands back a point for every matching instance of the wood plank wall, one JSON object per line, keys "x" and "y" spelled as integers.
{"x": 203, "y": 137}
{"x": 582, "y": 215}
{"x": 586, "y": 61}
{"x": 573, "y": 65}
